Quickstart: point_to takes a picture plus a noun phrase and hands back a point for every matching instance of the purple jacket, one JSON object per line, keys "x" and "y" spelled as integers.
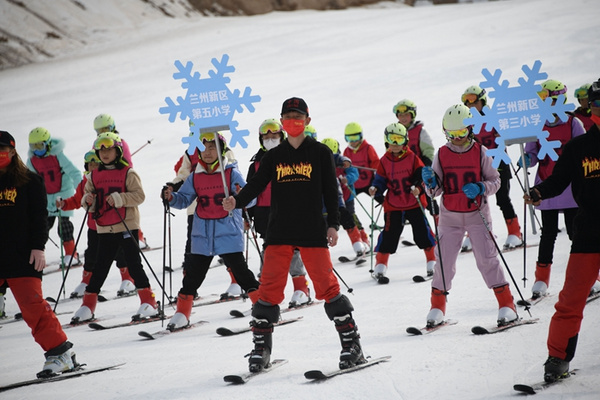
{"x": 565, "y": 199}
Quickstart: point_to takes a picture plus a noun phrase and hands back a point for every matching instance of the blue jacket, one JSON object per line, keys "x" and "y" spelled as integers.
{"x": 71, "y": 176}
{"x": 212, "y": 237}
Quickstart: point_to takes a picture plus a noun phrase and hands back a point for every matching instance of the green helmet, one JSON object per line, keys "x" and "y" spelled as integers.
{"x": 353, "y": 132}
{"x": 474, "y": 93}
{"x": 395, "y": 133}
{"x": 333, "y": 145}
{"x": 103, "y": 121}
{"x": 39, "y": 135}
{"x": 310, "y": 130}
{"x": 406, "y": 105}
{"x": 582, "y": 91}
{"x": 108, "y": 140}
{"x": 454, "y": 116}
{"x": 553, "y": 88}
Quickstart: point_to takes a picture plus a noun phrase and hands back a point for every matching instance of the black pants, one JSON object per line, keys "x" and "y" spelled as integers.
{"x": 394, "y": 225}
{"x": 108, "y": 246}
{"x": 92, "y": 250}
{"x": 503, "y": 194}
{"x": 550, "y": 230}
{"x": 196, "y": 266}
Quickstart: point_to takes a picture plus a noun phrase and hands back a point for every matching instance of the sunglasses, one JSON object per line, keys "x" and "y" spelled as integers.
{"x": 37, "y": 146}
{"x": 269, "y": 127}
{"x": 395, "y": 138}
{"x": 457, "y": 134}
{"x": 353, "y": 138}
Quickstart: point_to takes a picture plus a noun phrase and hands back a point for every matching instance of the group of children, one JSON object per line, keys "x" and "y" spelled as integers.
{"x": 405, "y": 180}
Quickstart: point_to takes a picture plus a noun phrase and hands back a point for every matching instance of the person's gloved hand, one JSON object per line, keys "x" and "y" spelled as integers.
{"x": 429, "y": 178}
{"x": 527, "y": 161}
{"x": 472, "y": 190}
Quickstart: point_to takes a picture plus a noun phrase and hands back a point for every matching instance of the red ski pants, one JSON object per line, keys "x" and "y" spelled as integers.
{"x": 276, "y": 266}
{"x": 37, "y": 313}
{"x": 582, "y": 272}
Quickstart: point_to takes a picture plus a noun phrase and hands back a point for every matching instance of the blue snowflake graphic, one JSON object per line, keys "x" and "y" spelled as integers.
{"x": 209, "y": 103}
{"x": 518, "y": 113}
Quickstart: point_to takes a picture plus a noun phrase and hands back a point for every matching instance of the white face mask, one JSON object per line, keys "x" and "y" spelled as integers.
{"x": 271, "y": 143}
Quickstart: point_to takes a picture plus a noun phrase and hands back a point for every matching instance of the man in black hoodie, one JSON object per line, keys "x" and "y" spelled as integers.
{"x": 579, "y": 165}
{"x": 302, "y": 176}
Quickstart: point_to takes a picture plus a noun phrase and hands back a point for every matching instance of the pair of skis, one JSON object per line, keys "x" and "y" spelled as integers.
{"x": 476, "y": 330}
{"x": 312, "y": 375}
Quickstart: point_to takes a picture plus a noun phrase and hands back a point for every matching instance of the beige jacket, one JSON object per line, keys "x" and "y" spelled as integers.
{"x": 131, "y": 199}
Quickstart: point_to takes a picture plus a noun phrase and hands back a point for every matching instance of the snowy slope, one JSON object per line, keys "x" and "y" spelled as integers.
{"x": 350, "y": 65}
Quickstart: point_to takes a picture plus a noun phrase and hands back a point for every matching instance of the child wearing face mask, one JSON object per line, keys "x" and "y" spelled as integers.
{"x": 270, "y": 134}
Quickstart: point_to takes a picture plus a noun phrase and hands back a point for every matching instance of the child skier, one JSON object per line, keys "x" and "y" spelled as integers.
{"x": 474, "y": 96}
{"x": 463, "y": 174}
{"x": 113, "y": 193}
{"x": 47, "y": 159}
{"x": 583, "y": 112}
{"x": 270, "y": 135}
{"x": 91, "y": 163}
{"x": 398, "y": 173}
{"x": 565, "y": 203}
{"x": 364, "y": 157}
{"x": 214, "y": 232}
{"x": 347, "y": 175}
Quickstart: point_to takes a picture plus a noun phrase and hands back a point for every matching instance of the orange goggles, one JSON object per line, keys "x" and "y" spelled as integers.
{"x": 104, "y": 143}
{"x": 469, "y": 98}
{"x": 545, "y": 93}
{"x": 269, "y": 127}
{"x": 457, "y": 134}
{"x": 403, "y": 109}
{"x": 394, "y": 138}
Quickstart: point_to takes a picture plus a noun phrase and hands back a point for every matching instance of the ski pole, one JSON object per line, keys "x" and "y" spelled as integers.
{"x": 525, "y": 227}
{"x": 253, "y": 236}
{"x": 53, "y": 242}
{"x": 144, "y": 145}
{"x": 365, "y": 168}
{"x": 359, "y": 203}
{"x": 487, "y": 227}
{"x": 531, "y": 208}
{"x": 140, "y": 251}
{"x": 372, "y": 229}
{"x": 526, "y": 188}
{"x": 62, "y": 253}
{"x": 350, "y": 290}
{"x": 62, "y": 286}
{"x": 166, "y": 232}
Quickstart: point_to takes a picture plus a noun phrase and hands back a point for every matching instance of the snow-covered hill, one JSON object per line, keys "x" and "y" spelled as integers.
{"x": 350, "y": 65}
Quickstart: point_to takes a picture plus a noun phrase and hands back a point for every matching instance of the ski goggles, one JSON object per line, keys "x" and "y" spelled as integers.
{"x": 545, "y": 93}
{"x": 105, "y": 142}
{"x": 91, "y": 156}
{"x": 269, "y": 127}
{"x": 595, "y": 103}
{"x": 457, "y": 134}
{"x": 37, "y": 146}
{"x": 581, "y": 93}
{"x": 470, "y": 98}
{"x": 395, "y": 138}
{"x": 353, "y": 138}
{"x": 403, "y": 108}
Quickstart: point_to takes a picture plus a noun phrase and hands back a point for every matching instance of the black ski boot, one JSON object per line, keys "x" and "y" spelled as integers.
{"x": 555, "y": 369}
{"x": 351, "y": 354}
{"x": 260, "y": 357}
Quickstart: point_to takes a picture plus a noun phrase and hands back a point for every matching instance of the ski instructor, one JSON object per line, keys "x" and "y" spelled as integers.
{"x": 302, "y": 176}
{"x": 22, "y": 241}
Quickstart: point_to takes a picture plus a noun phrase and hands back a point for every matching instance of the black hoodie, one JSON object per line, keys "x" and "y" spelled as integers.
{"x": 302, "y": 181}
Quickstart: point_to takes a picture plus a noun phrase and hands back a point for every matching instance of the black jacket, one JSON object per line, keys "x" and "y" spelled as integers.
{"x": 302, "y": 181}
{"x": 579, "y": 165}
{"x": 23, "y": 228}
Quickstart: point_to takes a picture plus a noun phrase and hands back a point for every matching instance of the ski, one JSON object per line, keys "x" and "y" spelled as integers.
{"x": 84, "y": 323}
{"x": 245, "y": 377}
{"x": 543, "y": 385}
{"x": 165, "y": 332}
{"x": 344, "y": 259}
{"x": 422, "y": 278}
{"x": 65, "y": 375}
{"x": 317, "y": 375}
{"x": 532, "y": 301}
{"x": 242, "y": 314}
{"x": 148, "y": 248}
{"x": 509, "y": 249}
{"x": 381, "y": 279}
{"x": 480, "y": 330}
{"x": 231, "y": 332}
{"x": 412, "y": 330}
{"x": 218, "y": 301}
{"x": 97, "y": 327}
{"x": 407, "y": 243}
{"x": 593, "y": 297}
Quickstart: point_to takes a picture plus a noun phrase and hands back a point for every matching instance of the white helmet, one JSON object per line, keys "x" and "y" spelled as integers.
{"x": 454, "y": 116}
